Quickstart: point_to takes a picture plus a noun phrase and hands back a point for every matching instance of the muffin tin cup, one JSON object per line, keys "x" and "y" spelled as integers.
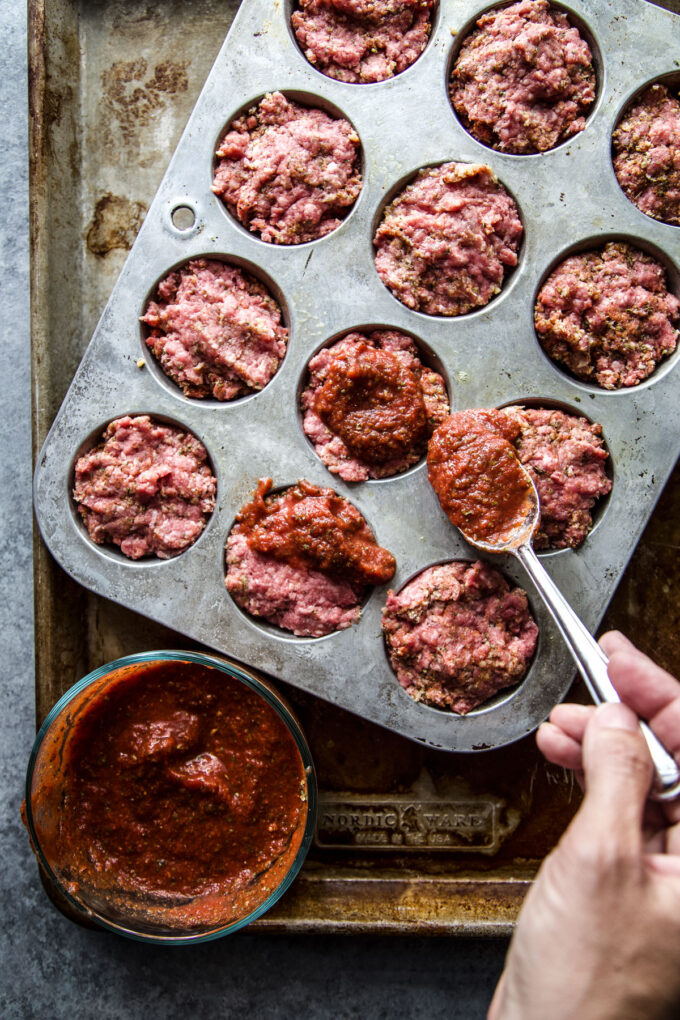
{"x": 291, "y": 6}
{"x": 601, "y": 504}
{"x": 426, "y": 357}
{"x": 509, "y": 272}
{"x": 595, "y": 244}
{"x": 490, "y": 357}
{"x": 312, "y": 101}
{"x": 578, "y": 20}
{"x": 671, "y": 81}
{"x": 249, "y": 269}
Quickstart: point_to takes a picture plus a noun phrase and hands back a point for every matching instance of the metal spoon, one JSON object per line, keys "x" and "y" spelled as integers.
{"x": 589, "y": 657}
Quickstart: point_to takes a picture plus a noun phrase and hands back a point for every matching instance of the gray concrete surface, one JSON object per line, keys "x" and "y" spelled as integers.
{"x": 52, "y": 969}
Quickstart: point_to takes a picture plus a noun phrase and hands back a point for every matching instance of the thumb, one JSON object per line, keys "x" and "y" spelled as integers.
{"x": 618, "y": 774}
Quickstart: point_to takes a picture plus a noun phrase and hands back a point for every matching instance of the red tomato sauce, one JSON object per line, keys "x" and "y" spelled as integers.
{"x": 374, "y": 403}
{"x": 477, "y": 476}
{"x": 312, "y": 527}
{"x": 183, "y": 788}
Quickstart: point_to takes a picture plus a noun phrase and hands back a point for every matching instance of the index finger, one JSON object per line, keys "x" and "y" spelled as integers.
{"x": 646, "y": 688}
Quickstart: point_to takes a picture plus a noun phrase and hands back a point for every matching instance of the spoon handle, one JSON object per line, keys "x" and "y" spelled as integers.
{"x": 592, "y": 665}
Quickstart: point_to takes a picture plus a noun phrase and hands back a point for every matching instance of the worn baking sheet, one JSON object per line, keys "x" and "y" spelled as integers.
{"x": 489, "y": 358}
{"x": 100, "y": 117}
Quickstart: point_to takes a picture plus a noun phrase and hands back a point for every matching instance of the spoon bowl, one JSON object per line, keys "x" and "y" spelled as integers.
{"x": 521, "y": 533}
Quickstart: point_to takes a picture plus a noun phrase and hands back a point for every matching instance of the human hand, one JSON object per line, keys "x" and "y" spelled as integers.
{"x": 598, "y": 937}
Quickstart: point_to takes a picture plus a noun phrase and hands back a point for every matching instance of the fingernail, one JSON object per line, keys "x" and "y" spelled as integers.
{"x": 616, "y": 717}
{"x": 614, "y": 638}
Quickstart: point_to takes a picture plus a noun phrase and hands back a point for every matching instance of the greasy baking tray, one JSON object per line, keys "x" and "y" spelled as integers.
{"x": 105, "y": 104}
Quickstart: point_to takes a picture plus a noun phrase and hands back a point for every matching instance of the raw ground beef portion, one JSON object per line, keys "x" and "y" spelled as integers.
{"x": 446, "y": 240}
{"x": 215, "y": 330}
{"x": 311, "y": 583}
{"x": 457, "y": 634}
{"x": 607, "y": 315}
{"x": 362, "y": 40}
{"x": 329, "y": 446}
{"x": 524, "y": 79}
{"x": 304, "y": 601}
{"x": 289, "y": 173}
{"x": 566, "y": 457}
{"x": 147, "y": 488}
{"x": 647, "y": 154}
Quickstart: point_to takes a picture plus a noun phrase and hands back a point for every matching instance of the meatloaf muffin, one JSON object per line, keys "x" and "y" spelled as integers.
{"x": 288, "y": 172}
{"x": 446, "y": 240}
{"x": 147, "y": 488}
{"x": 566, "y": 457}
{"x": 362, "y": 40}
{"x": 524, "y": 79}
{"x": 215, "y": 330}
{"x": 370, "y": 404}
{"x": 457, "y": 634}
{"x": 303, "y": 559}
{"x": 607, "y": 315}
{"x": 647, "y": 154}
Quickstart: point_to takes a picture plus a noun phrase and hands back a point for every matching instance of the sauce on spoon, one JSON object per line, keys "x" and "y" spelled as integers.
{"x": 477, "y": 476}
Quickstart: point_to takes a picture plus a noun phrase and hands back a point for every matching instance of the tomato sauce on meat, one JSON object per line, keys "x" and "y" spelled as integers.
{"x": 183, "y": 789}
{"x": 477, "y": 476}
{"x": 312, "y": 527}
{"x": 372, "y": 414}
{"x": 374, "y": 403}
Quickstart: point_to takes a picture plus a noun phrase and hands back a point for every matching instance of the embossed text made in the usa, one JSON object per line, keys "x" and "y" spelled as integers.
{"x": 404, "y": 823}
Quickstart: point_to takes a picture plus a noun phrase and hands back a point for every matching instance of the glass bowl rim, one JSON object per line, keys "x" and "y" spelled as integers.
{"x": 273, "y": 699}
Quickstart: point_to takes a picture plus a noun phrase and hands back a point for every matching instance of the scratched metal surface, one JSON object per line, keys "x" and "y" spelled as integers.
{"x": 568, "y": 198}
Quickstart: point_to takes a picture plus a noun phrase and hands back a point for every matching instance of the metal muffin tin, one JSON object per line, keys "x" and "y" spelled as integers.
{"x": 568, "y": 199}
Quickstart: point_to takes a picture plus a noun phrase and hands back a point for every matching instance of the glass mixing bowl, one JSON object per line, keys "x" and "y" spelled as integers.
{"x": 128, "y": 911}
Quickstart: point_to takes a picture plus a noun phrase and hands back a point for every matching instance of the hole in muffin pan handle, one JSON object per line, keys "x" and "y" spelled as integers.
{"x": 181, "y": 217}
{"x": 592, "y": 665}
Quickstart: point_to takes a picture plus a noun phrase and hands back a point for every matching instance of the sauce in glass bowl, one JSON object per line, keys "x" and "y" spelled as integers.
{"x": 171, "y": 797}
